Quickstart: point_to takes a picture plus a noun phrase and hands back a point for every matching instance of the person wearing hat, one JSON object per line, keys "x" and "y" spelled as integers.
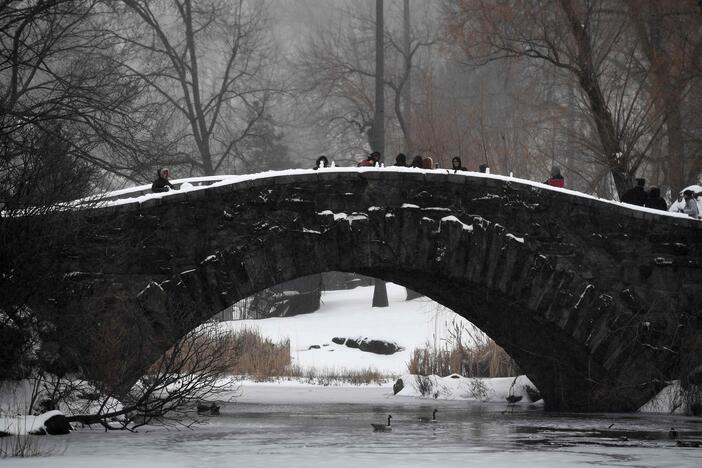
{"x": 162, "y": 184}
{"x": 691, "y": 208}
{"x": 636, "y": 195}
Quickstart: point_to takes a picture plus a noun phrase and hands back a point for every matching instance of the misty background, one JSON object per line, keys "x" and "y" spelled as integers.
{"x": 98, "y": 94}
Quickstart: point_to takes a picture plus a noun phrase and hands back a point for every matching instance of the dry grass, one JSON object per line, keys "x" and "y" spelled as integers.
{"x": 331, "y": 377}
{"x": 244, "y": 352}
{"x": 247, "y": 353}
{"x": 486, "y": 359}
{"x": 258, "y": 357}
{"x": 428, "y": 361}
{"x": 252, "y": 355}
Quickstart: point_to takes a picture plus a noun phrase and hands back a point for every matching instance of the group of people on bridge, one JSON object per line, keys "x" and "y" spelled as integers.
{"x": 686, "y": 202}
{"x": 638, "y": 195}
{"x": 420, "y": 162}
{"x": 426, "y": 162}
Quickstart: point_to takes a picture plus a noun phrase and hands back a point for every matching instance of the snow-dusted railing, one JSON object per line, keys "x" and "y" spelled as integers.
{"x": 142, "y": 194}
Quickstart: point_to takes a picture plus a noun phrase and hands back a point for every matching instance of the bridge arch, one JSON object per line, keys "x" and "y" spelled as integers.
{"x": 592, "y": 299}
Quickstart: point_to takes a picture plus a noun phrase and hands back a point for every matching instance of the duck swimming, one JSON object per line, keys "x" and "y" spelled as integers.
{"x": 382, "y": 427}
{"x": 433, "y": 417}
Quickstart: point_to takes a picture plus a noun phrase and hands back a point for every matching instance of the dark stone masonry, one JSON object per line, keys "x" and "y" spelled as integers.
{"x": 592, "y": 299}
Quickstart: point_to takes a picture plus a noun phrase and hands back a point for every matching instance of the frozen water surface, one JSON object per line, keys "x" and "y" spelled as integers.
{"x": 338, "y": 434}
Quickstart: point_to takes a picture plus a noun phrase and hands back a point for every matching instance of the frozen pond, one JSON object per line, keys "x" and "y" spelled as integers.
{"x": 331, "y": 433}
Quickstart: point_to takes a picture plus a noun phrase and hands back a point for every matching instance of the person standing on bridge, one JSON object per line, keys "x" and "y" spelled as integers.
{"x": 401, "y": 160}
{"x": 162, "y": 184}
{"x": 322, "y": 162}
{"x": 371, "y": 160}
{"x": 655, "y": 201}
{"x": 691, "y": 208}
{"x": 636, "y": 195}
{"x": 556, "y": 179}
{"x": 456, "y": 164}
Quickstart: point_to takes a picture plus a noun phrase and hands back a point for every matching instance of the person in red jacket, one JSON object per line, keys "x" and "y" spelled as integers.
{"x": 556, "y": 179}
{"x": 371, "y": 160}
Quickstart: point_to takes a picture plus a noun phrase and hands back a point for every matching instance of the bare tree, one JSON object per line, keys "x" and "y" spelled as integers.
{"x": 670, "y": 43}
{"x": 56, "y": 79}
{"x": 337, "y": 72}
{"x": 206, "y": 62}
{"x": 192, "y": 371}
{"x": 582, "y": 40}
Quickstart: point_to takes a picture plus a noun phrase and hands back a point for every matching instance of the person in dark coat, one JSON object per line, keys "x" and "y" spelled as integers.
{"x": 456, "y": 164}
{"x": 636, "y": 195}
{"x": 322, "y": 161}
{"x": 556, "y": 179}
{"x": 417, "y": 162}
{"x": 401, "y": 160}
{"x": 655, "y": 200}
{"x": 162, "y": 184}
{"x": 483, "y": 168}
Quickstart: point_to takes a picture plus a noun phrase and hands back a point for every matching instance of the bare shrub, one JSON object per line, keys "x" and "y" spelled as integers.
{"x": 477, "y": 389}
{"x": 192, "y": 370}
{"x": 20, "y": 445}
{"x": 425, "y": 385}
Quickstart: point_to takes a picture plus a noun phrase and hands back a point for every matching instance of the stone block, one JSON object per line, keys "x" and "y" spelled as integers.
{"x": 293, "y": 179}
{"x": 150, "y": 203}
{"x": 456, "y": 178}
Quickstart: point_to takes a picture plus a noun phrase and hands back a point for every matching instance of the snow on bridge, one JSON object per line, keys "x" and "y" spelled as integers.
{"x": 142, "y": 193}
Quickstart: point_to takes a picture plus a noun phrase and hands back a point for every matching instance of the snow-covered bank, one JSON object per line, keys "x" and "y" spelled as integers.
{"x": 451, "y": 388}
{"x": 410, "y": 324}
{"x": 26, "y": 424}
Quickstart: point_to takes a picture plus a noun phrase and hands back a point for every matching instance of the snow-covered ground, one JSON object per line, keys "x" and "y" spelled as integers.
{"x": 348, "y": 314}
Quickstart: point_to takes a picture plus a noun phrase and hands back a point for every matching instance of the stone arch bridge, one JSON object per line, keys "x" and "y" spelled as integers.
{"x": 596, "y": 301}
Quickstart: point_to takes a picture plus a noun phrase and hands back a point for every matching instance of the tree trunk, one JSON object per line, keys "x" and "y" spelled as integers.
{"x": 648, "y": 19}
{"x": 589, "y": 82}
{"x": 379, "y": 114}
{"x": 407, "y": 88}
{"x": 380, "y": 293}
